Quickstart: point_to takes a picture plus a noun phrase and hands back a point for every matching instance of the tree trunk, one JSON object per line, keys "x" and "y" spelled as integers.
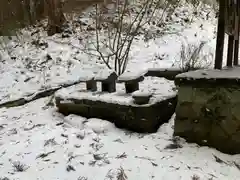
{"x": 56, "y": 17}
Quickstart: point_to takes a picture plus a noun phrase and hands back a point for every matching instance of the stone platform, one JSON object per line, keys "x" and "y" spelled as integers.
{"x": 119, "y": 107}
{"x": 208, "y": 109}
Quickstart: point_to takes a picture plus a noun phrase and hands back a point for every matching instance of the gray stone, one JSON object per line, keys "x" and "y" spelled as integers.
{"x": 143, "y": 119}
{"x": 91, "y": 85}
{"x": 131, "y": 86}
{"x": 108, "y": 79}
{"x": 207, "y": 112}
{"x": 141, "y": 99}
{"x": 168, "y": 73}
{"x": 109, "y": 86}
{"x": 131, "y": 81}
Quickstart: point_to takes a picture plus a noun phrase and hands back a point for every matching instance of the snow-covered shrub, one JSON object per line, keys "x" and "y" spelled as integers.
{"x": 115, "y": 33}
{"x": 192, "y": 58}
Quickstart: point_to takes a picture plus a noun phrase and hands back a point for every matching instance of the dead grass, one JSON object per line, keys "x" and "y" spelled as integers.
{"x": 19, "y": 167}
{"x": 195, "y": 177}
{"x": 82, "y": 178}
{"x": 5, "y": 178}
{"x": 121, "y": 174}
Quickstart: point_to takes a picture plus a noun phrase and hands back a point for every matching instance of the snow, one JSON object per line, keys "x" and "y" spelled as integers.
{"x": 141, "y": 94}
{"x": 225, "y": 73}
{"x": 72, "y": 121}
{"x": 160, "y": 89}
{"x": 96, "y": 149}
{"x": 104, "y": 74}
{"x": 132, "y": 75}
{"x": 85, "y": 75}
{"x": 51, "y": 146}
{"x": 164, "y": 69}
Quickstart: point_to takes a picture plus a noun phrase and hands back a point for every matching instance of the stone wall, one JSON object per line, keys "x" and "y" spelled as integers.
{"x": 209, "y": 116}
{"x": 142, "y": 119}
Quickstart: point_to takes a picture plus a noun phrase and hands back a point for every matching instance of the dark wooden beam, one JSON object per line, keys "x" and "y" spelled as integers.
{"x": 230, "y": 50}
{"x": 236, "y": 52}
{"x": 220, "y": 35}
{"x": 236, "y": 46}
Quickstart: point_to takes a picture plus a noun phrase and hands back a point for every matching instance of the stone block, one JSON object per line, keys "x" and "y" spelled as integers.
{"x": 131, "y": 80}
{"x": 208, "y": 109}
{"x": 108, "y": 79}
{"x": 91, "y": 85}
{"x": 201, "y": 95}
{"x": 185, "y": 94}
{"x": 142, "y": 119}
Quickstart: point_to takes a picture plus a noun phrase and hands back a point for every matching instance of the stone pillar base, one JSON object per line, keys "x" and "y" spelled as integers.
{"x": 208, "y": 109}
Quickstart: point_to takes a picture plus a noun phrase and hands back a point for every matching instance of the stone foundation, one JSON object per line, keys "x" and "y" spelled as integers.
{"x": 208, "y": 110}
{"x": 142, "y": 119}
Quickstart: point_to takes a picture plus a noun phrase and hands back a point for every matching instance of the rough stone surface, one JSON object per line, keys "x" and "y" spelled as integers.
{"x": 91, "y": 85}
{"x": 144, "y": 119}
{"x": 109, "y": 86}
{"x": 131, "y": 86}
{"x": 131, "y": 81}
{"x": 141, "y": 99}
{"x": 108, "y": 80}
{"x": 212, "y": 77}
{"x": 209, "y": 116}
{"x": 106, "y": 76}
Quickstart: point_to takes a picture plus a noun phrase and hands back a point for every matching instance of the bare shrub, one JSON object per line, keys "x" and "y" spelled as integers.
{"x": 195, "y": 3}
{"x": 19, "y": 167}
{"x": 110, "y": 175}
{"x": 192, "y": 59}
{"x": 195, "y": 177}
{"x": 121, "y": 32}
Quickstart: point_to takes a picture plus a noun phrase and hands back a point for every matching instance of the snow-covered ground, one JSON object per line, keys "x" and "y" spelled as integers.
{"x": 35, "y": 140}
{"x": 43, "y": 144}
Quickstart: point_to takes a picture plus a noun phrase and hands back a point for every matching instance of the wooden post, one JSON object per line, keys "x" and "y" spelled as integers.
{"x": 236, "y": 52}
{"x": 236, "y": 47}
{"x": 230, "y": 50}
{"x": 220, "y": 35}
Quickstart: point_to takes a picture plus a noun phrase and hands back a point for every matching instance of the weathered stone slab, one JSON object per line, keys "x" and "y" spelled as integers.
{"x": 108, "y": 79}
{"x": 141, "y": 97}
{"x": 91, "y": 85}
{"x": 168, "y": 73}
{"x": 120, "y": 107}
{"x": 210, "y": 77}
{"x": 131, "y": 80}
{"x": 88, "y": 78}
{"x": 208, "y": 111}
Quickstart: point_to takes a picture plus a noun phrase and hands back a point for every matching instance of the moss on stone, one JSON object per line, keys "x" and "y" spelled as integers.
{"x": 211, "y": 118}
